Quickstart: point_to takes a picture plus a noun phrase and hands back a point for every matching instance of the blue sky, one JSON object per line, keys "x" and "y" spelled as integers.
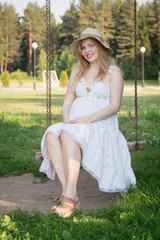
{"x": 58, "y": 7}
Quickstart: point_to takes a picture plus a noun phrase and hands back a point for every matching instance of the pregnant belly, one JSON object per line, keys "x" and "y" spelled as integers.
{"x": 84, "y": 106}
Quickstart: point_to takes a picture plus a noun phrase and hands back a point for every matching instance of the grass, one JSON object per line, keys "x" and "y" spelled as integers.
{"x": 135, "y": 215}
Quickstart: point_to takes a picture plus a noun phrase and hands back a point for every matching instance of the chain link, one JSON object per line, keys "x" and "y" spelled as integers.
{"x": 135, "y": 72}
{"x": 48, "y": 63}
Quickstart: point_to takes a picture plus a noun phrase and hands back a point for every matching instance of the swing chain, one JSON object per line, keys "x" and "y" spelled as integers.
{"x": 48, "y": 63}
{"x": 135, "y": 73}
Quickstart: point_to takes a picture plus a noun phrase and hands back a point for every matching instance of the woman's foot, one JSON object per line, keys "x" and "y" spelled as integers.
{"x": 67, "y": 207}
{"x": 59, "y": 201}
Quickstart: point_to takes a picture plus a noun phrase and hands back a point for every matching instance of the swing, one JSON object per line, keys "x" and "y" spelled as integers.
{"x": 136, "y": 145}
{"x": 133, "y": 146}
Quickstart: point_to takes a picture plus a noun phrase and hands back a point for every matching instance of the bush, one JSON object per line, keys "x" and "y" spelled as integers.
{"x": 15, "y": 75}
{"x": 20, "y": 77}
{"x": 63, "y": 79}
{"x": 5, "y": 79}
{"x": 66, "y": 61}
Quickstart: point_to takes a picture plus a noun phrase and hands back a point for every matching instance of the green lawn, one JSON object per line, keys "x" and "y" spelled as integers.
{"x": 135, "y": 216}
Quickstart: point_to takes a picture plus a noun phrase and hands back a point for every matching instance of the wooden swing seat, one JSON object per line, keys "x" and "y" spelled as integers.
{"x": 134, "y": 146}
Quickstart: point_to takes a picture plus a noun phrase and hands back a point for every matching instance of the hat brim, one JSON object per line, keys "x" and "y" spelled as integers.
{"x": 74, "y": 45}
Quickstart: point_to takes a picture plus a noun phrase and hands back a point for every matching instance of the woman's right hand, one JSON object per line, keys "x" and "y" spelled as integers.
{"x": 67, "y": 121}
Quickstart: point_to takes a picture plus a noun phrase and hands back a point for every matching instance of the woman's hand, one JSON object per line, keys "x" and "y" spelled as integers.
{"x": 81, "y": 120}
{"x": 67, "y": 121}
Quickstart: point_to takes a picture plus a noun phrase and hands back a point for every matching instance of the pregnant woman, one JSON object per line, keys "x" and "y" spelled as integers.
{"x": 89, "y": 134}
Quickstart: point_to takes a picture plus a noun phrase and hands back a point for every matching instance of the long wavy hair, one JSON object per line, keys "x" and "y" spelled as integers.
{"x": 104, "y": 61}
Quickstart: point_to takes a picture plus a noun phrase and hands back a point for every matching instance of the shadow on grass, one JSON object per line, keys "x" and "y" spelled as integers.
{"x": 20, "y": 139}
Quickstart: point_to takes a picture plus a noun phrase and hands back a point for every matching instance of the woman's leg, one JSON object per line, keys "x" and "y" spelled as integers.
{"x": 54, "y": 148}
{"x": 72, "y": 158}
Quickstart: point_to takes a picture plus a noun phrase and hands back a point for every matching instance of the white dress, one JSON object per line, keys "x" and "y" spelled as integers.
{"x": 105, "y": 153}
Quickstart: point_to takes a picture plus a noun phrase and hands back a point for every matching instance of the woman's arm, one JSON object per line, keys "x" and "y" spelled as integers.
{"x": 69, "y": 97}
{"x": 114, "y": 106}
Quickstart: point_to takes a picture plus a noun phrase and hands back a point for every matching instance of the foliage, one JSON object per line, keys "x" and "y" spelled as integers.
{"x": 68, "y": 30}
{"x": 5, "y": 79}
{"x": 87, "y": 14}
{"x": 114, "y": 18}
{"x": 41, "y": 66}
{"x": 15, "y": 75}
{"x": 9, "y": 231}
{"x": 65, "y": 62}
{"x": 32, "y": 29}
{"x": 63, "y": 79}
{"x": 9, "y": 41}
{"x": 18, "y": 75}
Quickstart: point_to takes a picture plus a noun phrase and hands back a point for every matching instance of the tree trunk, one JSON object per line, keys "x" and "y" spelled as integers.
{"x": 159, "y": 34}
{"x": 7, "y": 47}
{"x": 1, "y": 66}
{"x": 30, "y": 49}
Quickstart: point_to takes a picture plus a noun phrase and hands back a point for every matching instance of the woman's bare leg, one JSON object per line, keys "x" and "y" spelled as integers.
{"x": 54, "y": 148}
{"x": 72, "y": 158}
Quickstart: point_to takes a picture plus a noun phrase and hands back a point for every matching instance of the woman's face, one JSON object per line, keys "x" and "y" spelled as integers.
{"x": 90, "y": 50}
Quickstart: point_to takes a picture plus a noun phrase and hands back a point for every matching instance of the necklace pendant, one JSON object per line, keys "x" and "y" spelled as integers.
{"x": 88, "y": 89}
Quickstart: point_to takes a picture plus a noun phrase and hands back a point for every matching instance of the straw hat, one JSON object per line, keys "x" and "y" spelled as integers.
{"x": 90, "y": 33}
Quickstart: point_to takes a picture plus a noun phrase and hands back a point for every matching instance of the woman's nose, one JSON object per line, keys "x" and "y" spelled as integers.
{"x": 87, "y": 49}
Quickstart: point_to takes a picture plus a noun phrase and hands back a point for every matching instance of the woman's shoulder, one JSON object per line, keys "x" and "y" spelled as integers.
{"x": 74, "y": 73}
{"x": 114, "y": 68}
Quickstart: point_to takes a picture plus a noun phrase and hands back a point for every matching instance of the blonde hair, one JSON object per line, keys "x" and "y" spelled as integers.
{"x": 104, "y": 62}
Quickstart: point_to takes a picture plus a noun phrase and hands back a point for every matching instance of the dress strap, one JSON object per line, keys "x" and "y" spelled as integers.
{"x": 111, "y": 68}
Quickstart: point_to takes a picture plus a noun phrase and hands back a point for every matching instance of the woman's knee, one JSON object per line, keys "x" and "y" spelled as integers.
{"x": 50, "y": 138}
{"x": 63, "y": 136}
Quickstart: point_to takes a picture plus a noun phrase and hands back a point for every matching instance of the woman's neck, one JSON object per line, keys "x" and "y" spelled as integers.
{"x": 92, "y": 72}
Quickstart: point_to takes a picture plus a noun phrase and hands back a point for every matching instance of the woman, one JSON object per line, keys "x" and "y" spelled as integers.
{"x": 90, "y": 131}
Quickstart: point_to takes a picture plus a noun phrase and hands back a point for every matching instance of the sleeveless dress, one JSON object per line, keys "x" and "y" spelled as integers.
{"x": 105, "y": 153}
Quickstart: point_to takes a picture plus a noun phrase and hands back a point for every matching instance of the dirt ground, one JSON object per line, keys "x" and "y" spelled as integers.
{"x": 27, "y": 192}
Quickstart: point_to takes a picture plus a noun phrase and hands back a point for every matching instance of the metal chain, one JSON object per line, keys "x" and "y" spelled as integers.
{"x": 48, "y": 63}
{"x": 135, "y": 73}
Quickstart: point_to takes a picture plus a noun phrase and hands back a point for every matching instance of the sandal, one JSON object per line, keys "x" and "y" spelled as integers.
{"x": 67, "y": 207}
{"x": 59, "y": 201}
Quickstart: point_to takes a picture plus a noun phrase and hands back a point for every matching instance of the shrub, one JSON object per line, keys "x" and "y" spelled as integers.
{"x": 20, "y": 77}
{"x": 66, "y": 61}
{"x": 5, "y": 79}
{"x": 15, "y": 75}
{"x": 63, "y": 79}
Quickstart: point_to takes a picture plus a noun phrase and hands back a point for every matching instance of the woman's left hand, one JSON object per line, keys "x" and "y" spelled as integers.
{"x": 81, "y": 120}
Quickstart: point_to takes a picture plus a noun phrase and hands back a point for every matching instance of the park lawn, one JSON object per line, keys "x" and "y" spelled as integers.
{"x": 135, "y": 215}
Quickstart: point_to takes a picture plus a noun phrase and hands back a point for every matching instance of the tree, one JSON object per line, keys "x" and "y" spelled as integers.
{"x": 41, "y": 64}
{"x": 88, "y": 14}
{"x": 9, "y": 37}
{"x": 117, "y": 9}
{"x": 104, "y": 19}
{"x": 153, "y": 21}
{"x": 143, "y": 30}
{"x": 125, "y": 38}
{"x": 66, "y": 61}
{"x": 69, "y": 29}
{"x": 2, "y": 40}
{"x": 33, "y": 29}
